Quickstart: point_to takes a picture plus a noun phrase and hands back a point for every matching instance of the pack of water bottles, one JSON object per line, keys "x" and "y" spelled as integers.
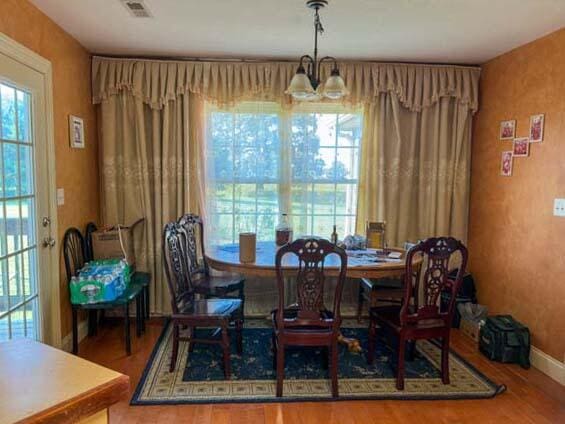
{"x": 101, "y": 280}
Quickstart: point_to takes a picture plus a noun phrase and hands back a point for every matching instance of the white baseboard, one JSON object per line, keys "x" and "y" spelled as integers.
{"x": 548, "y": 365}
{"x": 67, "y": 344}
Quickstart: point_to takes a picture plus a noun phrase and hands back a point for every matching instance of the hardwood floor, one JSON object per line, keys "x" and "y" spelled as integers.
{"x": 531, "y": 397}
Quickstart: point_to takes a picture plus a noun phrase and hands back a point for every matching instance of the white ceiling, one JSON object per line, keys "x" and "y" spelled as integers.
{"x": 451, "y": 31}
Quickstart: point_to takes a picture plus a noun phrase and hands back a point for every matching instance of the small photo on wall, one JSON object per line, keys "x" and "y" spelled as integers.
{"x": 506, "y": 164}
{"x": 521, "y": 147}
{"x": 508, "y": 130}
{"x": 76, "y": 132}
{"x": 536, "y": 128}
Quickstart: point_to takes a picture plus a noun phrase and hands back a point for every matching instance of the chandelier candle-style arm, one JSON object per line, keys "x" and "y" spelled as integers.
{"x": 305, "y": 84}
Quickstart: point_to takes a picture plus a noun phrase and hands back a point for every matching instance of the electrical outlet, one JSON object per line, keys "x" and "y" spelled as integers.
{"x": 559, "y": 207}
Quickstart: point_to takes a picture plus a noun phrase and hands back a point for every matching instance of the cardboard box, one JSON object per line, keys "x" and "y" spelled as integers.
{"x": 115, "y": 242}
{"x": 471, "y": 328}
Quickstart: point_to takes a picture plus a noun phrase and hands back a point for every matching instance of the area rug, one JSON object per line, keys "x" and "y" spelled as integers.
{"x": 198, "y": 377}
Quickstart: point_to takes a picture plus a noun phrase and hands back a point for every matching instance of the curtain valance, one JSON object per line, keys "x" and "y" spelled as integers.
{"x": 156, "y": 82}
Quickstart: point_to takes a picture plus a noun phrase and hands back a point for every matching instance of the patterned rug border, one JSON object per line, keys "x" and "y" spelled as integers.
{"x": 135, "y": 401}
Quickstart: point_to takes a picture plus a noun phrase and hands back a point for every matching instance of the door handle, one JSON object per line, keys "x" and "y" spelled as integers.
{"x": 48, "y": 242}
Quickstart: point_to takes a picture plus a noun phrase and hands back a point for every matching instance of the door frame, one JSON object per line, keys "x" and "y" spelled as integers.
{"x": 50, "y": 286}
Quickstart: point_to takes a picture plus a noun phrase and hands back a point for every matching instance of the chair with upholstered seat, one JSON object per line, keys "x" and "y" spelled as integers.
{"x": 187, "y": 309}
{"x": 203, "y": 282}
{"x": 308, "y": 322}
{"x": 420, "y": 316}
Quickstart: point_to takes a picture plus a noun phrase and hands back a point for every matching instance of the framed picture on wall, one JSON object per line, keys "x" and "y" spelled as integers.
{"x": 76, "y": 132}
{"x": 508, "y": 130}
{"x": 506, "y": 164}
{"x": 521, "y": 147}
{"x": 536, "y": 128}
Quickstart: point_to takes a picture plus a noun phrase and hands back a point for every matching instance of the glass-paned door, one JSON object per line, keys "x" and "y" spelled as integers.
{"x": 25, "y": 242}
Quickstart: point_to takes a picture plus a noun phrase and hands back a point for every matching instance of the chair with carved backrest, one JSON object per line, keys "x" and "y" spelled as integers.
{"x": 187, "y": 309}
{"x": 203, "y": 282}
{"x": 308, "y": 322}
{"x": 420, "y": 316}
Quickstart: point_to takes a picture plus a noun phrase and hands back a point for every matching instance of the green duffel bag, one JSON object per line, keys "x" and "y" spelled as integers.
{"x": 504, "y": 339}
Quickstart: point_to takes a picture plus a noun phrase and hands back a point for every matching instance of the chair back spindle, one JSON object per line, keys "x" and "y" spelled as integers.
{"x": 177, "y": 265}
{"x": 73, "y": 252}
{"x": 310, "y": 281}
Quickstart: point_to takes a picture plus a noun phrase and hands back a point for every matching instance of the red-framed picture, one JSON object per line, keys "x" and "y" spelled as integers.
{"x": 521, "y": 147}
{"x": 536, "y": 128}
{"x": 508, "y": 130}
{"x": 506, "y": 164}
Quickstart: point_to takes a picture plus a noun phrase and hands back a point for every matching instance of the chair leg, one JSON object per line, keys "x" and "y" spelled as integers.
{"x": 333, "y": 370}
{"x": 239, "y": 335}
{"x": 75, "y": 331}
{"x": 274, "y": 350}
{"x": 372, "y": 341}
{"x": 226, "y": 348}
{"x": 445, "y": 359}
{"x": 242, "y": 297}
{"x": 400, "y": 363}
{"x": 147, "y": 304}
{"x": 360, "y": 300}
{"x": 175, "y": 350}
{"x": 191, "y": 333}
{"x": 280, "y": 369}
{"x": 138, "y": 317}
{"x": 126, "y": 323}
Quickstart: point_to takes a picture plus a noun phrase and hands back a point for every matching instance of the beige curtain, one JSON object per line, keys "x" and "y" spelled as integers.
{"x": 415, "y": 169}
{"x": 151, "y": 166}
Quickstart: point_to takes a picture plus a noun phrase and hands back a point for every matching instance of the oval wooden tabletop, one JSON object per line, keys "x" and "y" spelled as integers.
{"x": 226, "y": 258}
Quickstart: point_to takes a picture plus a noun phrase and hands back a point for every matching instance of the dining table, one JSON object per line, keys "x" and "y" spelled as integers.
{"x": 367, "y": 263}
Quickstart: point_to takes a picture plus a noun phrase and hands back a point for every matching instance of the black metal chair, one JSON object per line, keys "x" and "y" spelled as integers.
{"x": 75, "y": 257}
{"x": 89, "y": 249}
{"x": 190, "y": 311}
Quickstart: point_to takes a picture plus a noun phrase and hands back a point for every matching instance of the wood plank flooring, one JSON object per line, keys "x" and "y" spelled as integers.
{"x": 531, "y": 397}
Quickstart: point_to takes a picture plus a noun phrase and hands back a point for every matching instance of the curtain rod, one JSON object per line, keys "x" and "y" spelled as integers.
{"x": 249, "y": 60}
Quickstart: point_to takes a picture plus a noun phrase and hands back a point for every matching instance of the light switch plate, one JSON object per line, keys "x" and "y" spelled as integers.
{"x": 60, "y": 196}
{"x": 559, "y": 207}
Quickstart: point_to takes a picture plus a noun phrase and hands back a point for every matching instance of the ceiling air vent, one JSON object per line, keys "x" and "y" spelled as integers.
{"x": 136, "y": 8}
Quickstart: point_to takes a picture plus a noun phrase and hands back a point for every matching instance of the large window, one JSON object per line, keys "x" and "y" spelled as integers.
{"x": 263, "y": 161}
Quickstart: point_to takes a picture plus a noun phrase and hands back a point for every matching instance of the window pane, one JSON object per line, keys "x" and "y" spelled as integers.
{"x": 15, "y": 264}
{"x": 4, "y": 329}
{"x": 301, "y": 198}
{"x": 245, "y": 197}
{"x": 28, "y": 227}
{"x": 301, "y": 225}
{"x": 18, "y": 325}
{"x": 245, "y": 223}
{"x": 323, "y": 226}
{"x": 347, "y": 164}
{"x": 267, "y": 199}
{"x": 10, "y": 164}
{"x": 32, "y": 319}
{"x": 13, "y": 225}
{"x": 222, "y": 198}
{"x": 221, "y": 229}
{"x": 349, "y": 130}
{"x": 8, "y": 106}
{"x": 324, "y": 198}
{"x": 346, "y": 199}
{"x": 24, "y": 112}
{"x": 26, "y": 171}
{"x": 3, "y": 247}
{"x": 326, "y": 128}
{"x": 4, "y": 289}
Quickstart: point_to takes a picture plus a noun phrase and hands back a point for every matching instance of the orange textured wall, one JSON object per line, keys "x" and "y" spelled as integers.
{"x": 77, "y": 169}
{"x": 516, "y": 245}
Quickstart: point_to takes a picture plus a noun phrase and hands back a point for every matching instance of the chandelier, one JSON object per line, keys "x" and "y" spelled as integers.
{"x": 305, "y": 84}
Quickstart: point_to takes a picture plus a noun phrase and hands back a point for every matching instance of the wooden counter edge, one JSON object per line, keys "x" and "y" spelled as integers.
{"x": 84, "y": 405}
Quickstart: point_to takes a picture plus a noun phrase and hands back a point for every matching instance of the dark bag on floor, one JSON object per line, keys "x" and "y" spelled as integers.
{"x": 504, "y": 339}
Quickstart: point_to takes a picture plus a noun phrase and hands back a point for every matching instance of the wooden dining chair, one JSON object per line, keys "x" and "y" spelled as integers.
{"x": 308, "y": 322}
{"x": 420, "y": 316}
{"x": 187, "y": 309}
{"x": 231, "y": 286}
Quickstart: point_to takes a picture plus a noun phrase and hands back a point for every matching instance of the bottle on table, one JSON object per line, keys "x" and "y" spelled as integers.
{"x": 333, "y": 237}
{"x": 283, "y": 231}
